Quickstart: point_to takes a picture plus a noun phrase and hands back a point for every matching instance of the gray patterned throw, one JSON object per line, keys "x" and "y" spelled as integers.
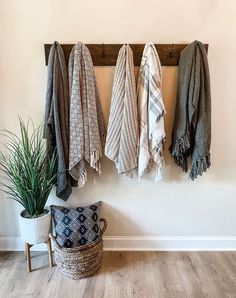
{"x": 191, "y": 134}
{"x": 87, "y": 127}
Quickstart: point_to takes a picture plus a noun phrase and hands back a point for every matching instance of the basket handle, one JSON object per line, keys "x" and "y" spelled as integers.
{"x": 55, "y": 241}
{"x": 103, "y": 229}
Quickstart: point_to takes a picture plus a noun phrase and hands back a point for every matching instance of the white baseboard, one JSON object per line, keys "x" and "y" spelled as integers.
{"x": 170, "y": 243}
{"x": 144, "y": 243}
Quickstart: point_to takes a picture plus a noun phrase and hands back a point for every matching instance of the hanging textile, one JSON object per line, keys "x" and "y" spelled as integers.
{"x": 191, "y": 134}
{"x": 56, "y": 123}
{"x": 151, "y": 115}
{"x": 122, "y": 136}
{"x": 87, "y": 128}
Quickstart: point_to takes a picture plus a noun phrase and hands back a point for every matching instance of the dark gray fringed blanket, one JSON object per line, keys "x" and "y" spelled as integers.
{"x": 191, "y": 134}
{"x": 56, "y": 124}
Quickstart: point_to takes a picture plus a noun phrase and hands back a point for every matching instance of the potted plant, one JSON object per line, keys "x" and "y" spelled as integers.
{"x": 29, "y": 175}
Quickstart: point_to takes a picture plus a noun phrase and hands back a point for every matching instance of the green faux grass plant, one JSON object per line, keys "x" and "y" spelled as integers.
{"x": 29, "y": 171}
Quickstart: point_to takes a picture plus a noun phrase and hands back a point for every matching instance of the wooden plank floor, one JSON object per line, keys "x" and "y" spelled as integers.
{"x": 125, "y": 274}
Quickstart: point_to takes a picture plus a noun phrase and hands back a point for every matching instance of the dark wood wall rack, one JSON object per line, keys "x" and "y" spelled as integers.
{"x": 106, "y": 54}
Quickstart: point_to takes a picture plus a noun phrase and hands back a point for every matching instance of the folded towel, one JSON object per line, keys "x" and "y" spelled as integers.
{"x": 191, "y": 134}
{"x": 56, "y": 123}
{"x": 122, "y": 135}
{"x": 151, "y": 111}
{"x": 87, "y": 128}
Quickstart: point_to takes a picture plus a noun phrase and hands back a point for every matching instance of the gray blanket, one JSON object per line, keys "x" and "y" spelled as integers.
{"x": 191, "y": 134}
{"x": 56, "y": 124}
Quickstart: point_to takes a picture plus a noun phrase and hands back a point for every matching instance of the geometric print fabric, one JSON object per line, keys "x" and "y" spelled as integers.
{"x": 76, "y": 226}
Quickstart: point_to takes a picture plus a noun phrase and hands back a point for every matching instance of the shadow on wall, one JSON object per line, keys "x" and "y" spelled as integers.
{"x": 101, "y": 190}
{"x": 118, "y": 221}
{"x": 113, "y": 190}
{"x": 9, "y": 214}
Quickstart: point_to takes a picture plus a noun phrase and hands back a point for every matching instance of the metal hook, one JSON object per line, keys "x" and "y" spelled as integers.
{"x": 171, "y": 51}
{"x": 103, "y": 51}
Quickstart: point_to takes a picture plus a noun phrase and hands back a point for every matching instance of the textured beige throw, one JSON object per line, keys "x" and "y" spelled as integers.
{"x": 151, "y": 112}
{"x": 87, "y": 128}
{"x": 122, "y": 136}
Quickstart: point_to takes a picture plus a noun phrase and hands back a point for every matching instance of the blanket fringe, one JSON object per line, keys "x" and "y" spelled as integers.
{"x": 180, "y": 145}
{"x": 82, "y": 179}
{"x": 129, "y": 174}
{"x": 178, "y": 151}
{"x": 199, "y": 167}
{"x": 159, "y": 173}
{"x": 95, "y": 160}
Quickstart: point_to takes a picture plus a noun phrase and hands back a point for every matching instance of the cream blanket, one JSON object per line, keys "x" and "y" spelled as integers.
{"x": 122, "y": 135}
{"x": 151, "y": 111}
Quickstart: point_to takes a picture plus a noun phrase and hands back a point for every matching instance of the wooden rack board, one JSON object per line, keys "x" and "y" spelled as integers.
{"x": 106, "y": 54}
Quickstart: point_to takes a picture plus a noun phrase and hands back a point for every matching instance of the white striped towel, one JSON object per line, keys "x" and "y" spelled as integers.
{"x": 151, "y": 111}
{"x": 122, "y": 134}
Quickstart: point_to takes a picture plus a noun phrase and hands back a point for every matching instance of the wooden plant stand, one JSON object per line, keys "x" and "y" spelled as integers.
{"x": 28, "y": 257}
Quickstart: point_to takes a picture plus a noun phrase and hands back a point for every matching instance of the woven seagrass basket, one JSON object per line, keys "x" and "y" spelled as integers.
{"x": 82, "y": 261}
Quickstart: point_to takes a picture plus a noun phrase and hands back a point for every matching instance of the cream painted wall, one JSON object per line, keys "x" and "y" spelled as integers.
{"x": 175, "y": 206}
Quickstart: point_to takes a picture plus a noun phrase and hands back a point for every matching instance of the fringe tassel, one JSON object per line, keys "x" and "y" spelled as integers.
{"x": 95, "y": 160}
{"x": 181, "y": 161}
{"x": 129, "y": 174}
{"x": 199, "y": 167}
{"x": 180, "y": 146}
{"x": 178, "y": 151}
{"x": 82, "y": 179}
{"x": 159, "y": 174}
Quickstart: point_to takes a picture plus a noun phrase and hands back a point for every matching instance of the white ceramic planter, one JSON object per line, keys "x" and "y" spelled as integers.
{"x": 35, "y": 230}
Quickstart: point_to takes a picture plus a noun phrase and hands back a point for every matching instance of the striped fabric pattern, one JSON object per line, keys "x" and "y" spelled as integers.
{"x": 151, "y": 115}
{"x": 122, "y": 133}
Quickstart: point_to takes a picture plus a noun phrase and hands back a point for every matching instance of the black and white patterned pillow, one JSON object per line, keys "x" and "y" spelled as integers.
{"x": 76, "y": 226}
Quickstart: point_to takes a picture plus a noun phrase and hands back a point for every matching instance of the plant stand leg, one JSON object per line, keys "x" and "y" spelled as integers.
{"x": 50, "y": 252}
{"x": 28, "y": 258}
